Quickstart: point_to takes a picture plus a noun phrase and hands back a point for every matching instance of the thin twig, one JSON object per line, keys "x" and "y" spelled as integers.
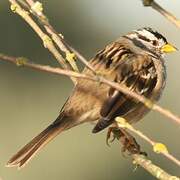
{"x": 152, "y": 168}
{"x": 58, "y": 38}
{"x": 83, "y": 60}
{"x": 169, "y": 16}
{"x": 101, "y": 79}
{"x": 37, "y": 9}
{"x": 47, "y": 42}
{"x": 45, "y": 38}
{"x": 157, "y": 147}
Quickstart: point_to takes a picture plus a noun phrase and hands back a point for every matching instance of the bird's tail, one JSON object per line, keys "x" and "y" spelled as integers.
{"x": 22, "y": 157}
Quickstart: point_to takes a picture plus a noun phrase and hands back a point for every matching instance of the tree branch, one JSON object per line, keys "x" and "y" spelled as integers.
{"x": 169, "y": 16}
{"x": 157, "y": 147}
{"x": 58, "y": 38}
{"x": 101, "y": 79}
{"x": 45, "y": 38}
{"x": 37, "y": 9}
{"x": 152, "y": 168}
{"x": 47, "y": 41}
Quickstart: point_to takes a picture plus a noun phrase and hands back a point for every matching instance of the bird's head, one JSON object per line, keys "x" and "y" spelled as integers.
{"x": 150, "y": 41}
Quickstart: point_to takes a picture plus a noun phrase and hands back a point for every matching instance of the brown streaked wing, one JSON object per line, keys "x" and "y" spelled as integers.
{"x": 138, "y": 74}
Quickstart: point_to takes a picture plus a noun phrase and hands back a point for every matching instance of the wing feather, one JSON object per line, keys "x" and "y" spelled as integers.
{"x": 135, "y": 72}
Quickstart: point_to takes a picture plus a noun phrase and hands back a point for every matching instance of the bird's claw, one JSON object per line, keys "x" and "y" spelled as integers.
{"x": 129, "y": 143}
{"x": 110, "y": 131}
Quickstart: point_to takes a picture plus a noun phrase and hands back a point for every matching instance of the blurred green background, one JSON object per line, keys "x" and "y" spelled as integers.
{"x": 30, "y": 100}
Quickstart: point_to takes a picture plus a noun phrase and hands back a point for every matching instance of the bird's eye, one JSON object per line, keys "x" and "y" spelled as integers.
{"x": 155, "y": 43}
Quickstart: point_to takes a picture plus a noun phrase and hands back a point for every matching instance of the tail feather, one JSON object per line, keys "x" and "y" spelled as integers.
{"x": 22, "y": 157}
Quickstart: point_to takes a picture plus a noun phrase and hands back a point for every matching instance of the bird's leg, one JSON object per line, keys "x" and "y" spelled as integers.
{"x": 116, "y": 133}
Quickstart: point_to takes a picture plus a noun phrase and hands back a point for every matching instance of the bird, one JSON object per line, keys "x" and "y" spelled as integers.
{"x": 136, "y": 61}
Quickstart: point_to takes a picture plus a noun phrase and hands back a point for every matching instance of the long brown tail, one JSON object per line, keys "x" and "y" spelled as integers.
{"x": 22, "y": 157}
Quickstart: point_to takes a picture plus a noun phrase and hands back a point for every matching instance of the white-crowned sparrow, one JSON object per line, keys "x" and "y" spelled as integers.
{"x": 136, "y": 61}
